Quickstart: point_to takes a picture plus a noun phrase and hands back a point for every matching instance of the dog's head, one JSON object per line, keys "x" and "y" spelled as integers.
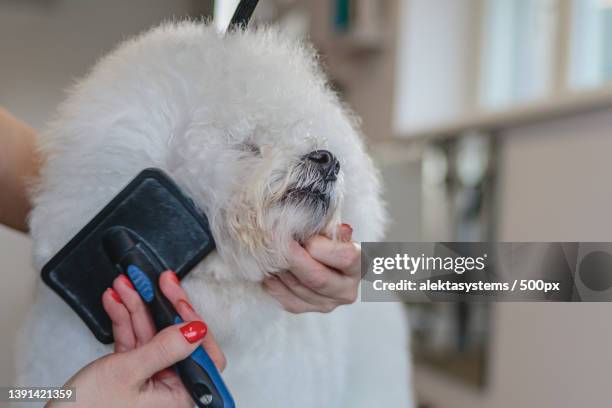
{"x": 245, "y": 122}
{"x": 263, "y": 190}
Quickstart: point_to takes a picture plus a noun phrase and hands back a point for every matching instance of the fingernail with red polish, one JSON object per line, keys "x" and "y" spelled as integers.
{"x": 127, "y": 281}
{"x": 174, "y": 278}
{"x": 346, "y": 232}
{"x": 115, "y": 295}
{"x": 187, "y": 304}
{"x": 194, "y": 331}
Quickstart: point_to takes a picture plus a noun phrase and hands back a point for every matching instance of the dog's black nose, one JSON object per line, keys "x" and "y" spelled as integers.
{"x": 328, "y": 165}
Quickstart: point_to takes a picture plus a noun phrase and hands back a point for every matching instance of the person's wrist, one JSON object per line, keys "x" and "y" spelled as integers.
{"x": 19, "y": 166}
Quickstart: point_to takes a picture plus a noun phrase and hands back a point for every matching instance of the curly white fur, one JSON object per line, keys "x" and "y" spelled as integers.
{"x": 231, "y": 118}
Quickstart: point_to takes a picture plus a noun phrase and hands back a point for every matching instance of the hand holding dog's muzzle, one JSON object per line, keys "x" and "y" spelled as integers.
{"x": 324, "y": 274}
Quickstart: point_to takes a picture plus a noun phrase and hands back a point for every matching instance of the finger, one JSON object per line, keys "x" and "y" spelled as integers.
{"x": 290, "y": 302}
{"x": 123, "y": 333}
{"x": 142, "y": 322}
{"x": 317, "y": 276}
{"x": 343, "y": 256}
{"x": 322, "y": 303}
{"x": 171, "y": 288}
{"x": 169, "y": 346}
{"x": 174, "y": 292}
{"x": 167, "y": 375}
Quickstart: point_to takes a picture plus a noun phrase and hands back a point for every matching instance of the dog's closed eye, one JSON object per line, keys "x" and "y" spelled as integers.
{"x": 250, "y": 147}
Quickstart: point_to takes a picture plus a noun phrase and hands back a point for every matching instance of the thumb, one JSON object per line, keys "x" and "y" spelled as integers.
{"x": 169, "y": 346}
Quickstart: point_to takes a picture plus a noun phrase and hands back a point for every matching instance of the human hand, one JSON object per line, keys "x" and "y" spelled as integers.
{"x": 324, "y": 274}
{"x": 133, "y": 324}
{"x": 138, "y": 373}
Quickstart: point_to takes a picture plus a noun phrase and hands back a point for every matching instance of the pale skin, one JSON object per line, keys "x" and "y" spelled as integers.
{"x": 18, "y": 166}
{"x": 323, "y": 273}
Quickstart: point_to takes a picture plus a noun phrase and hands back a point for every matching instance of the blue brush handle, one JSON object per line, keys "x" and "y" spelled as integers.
{"x": 203, "y": 360}
{"x": 198, "y": 372}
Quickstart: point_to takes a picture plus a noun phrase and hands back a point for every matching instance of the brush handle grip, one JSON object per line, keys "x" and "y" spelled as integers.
{"x": 198, "y": 367}
{"x": 197, "y": 372}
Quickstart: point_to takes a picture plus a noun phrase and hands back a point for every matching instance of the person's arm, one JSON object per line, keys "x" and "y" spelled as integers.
{"x": 18, "y": 166}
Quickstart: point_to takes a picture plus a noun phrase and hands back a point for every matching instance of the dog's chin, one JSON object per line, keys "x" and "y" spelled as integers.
{"x": 311, "y": 213}
{"x": 256, "y": 239}
{"x": 255, "y": 257}
{"x": 310, "y": 200}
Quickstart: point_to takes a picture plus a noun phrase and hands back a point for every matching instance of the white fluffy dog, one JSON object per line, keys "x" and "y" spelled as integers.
{"x": 234, "y": 119}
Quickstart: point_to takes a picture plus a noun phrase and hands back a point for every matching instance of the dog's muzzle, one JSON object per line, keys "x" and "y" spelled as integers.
{"x": 314, "y": 187}
{"x": 326, "y": 163}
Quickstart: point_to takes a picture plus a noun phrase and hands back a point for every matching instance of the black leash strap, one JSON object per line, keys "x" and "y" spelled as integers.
{"x": 243, "y": 14}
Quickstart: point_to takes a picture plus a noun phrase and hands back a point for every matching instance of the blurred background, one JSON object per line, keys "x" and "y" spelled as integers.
{"x": 490, "y": 120}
